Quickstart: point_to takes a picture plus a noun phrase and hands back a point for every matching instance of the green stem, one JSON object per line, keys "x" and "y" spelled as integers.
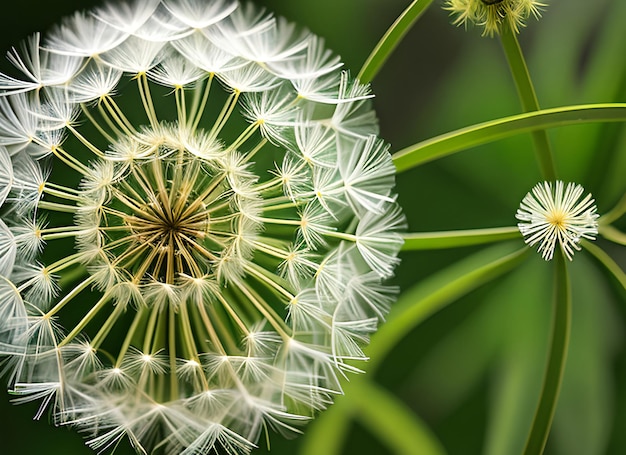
{"x": 327, "y": 433}
{"x": 452, "y": 239}
{"x": 69, "y": 296}
{"x": 393, "y": 422}
{"x": 70, "y": 276}
{"x": 431, "y": 296}
{"x": 414, "y": 306}
{"x": 172, "y": 351}
{"x": 187, "y": 334}
{"x": 600, "y": 255}
{"x": 53, "y": 206}
{"x": 106, "y": 327}
{"x": 612, "y": 234}
{"x": 615, "y": 213}
{"x": 391, "y": 39}
{"x": 86, "y": 319}
{"x": 483, "y": 133}
{"x": 139, "y": 316}
{"x": 559, "y": 342}
{"x": 528, "y": 98}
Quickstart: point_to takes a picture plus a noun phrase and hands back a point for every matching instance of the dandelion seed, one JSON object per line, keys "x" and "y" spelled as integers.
{"x": 552, "y": 214}
{"x": 163, "y": 280}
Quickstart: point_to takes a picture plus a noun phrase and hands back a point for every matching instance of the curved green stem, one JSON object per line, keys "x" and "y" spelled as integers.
{"x": 615, "y": 213}
{"x": 391, "y": 39}
{"x": 453, "y": 239}
{"x": 482, "y": 133}
{"x": 419, "y": 303}
{"x": 528, "y": 98}
{"x": 612, "y": 234}
{"x": 561, "y": 322}
{"x": 327, "y": 433}
{"x": 600, "y": 255}
{"x": 393, "y": 422}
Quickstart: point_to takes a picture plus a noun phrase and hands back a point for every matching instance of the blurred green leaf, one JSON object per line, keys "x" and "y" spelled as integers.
{"x": 413, "y": 307}
{"x": 615, "y": 213}
{"x": 521, "y": 305}
{"x": 328, "y": 432}
{"x": 582, "y": 423}
{"x": 392, "y": 421}
{"x": 613, "y": 234}
{"x": 432, "y": 295}
{"x": 502, "y": 343}
{"x": 605, "y": 78}
{"x": 606, "y": 260}
{"x": 584, "y": 40}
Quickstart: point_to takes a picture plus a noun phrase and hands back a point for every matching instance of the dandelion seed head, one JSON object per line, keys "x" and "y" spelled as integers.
{"x": 197, "y": 223}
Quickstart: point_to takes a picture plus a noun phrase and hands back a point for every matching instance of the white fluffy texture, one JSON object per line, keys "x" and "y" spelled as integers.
{"x": 41, "y": 68}
{"x": 218, "y": 218}
{"x": 8, "y": 250}
{"x": 6, "y": 174}
{"x": 554, "y": 213}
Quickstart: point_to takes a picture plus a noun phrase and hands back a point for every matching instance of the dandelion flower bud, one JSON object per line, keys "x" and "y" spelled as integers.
{"x": 552, "y": 214}
{"x": 198, "y": 222}
{"x": 491, "y": 14}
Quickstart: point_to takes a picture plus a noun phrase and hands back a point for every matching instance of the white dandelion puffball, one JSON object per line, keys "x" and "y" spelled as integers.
{"x": 197, "y": 224}
{"x": 552, "y": 214}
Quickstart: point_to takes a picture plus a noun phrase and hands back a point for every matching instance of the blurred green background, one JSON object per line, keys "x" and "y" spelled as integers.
{"x": 473, "y": 371}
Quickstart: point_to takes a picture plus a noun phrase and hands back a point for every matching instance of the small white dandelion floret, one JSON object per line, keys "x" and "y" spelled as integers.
{"x": 552, "y": 214}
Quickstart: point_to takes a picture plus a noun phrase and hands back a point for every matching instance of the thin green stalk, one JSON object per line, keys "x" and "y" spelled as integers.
{"x": 493, "y": 130}
{"x": 615, "y": 213}
{"x": 416, "y": 305}
{"x": 453, "y": 239}
{"x": 561, "y": 322}
{"x": 171, "y": 329}
{"x": 391, "y": 39}
{"x": 613, "y": 234}
{"x": 600, "y": 255}
{"x": 85, "y": 320}
{"x": 130, "y": 334}
{"x": 528, "y": 98}
{"x": 326, "y": 435}
{"x": 69, "y": 296}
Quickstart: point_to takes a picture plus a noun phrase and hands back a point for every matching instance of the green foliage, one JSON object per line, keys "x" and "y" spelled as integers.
{"x": 458, "y": 366}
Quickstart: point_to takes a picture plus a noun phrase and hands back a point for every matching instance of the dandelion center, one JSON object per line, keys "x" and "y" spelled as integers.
{"x": 167, "y": 214}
